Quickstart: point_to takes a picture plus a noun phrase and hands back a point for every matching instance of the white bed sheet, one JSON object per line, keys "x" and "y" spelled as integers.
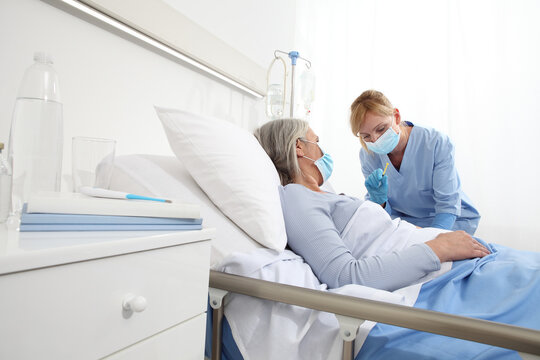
{"x": 265, "y": 330}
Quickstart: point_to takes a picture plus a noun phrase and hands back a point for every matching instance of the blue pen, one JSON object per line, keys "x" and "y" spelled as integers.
{"x": 111, "y": 194}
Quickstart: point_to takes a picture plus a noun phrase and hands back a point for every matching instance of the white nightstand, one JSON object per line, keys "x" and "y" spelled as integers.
{"x": 63, "y": 295}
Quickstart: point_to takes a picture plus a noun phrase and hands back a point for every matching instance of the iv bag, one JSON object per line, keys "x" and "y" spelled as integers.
{"x": 307, "y": 88}
{"x": 274, "y": 101}
{"x": 275, "y": 91}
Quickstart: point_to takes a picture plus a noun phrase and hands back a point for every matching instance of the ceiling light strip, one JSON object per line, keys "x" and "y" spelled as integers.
{"x": 159, "y": 45}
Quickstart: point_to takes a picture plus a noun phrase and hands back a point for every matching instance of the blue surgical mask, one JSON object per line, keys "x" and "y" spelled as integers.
{"x": 386, "y": 143}
{"x": 325, "y": 164}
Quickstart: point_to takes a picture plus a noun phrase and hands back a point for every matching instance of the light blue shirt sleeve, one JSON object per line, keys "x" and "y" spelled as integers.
{"x": 446, "y": 184}
{"x": 444, "y": 221}
{"x": 312, "y": 234}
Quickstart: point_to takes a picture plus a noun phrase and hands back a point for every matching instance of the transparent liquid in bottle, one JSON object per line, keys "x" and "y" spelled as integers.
{"x": 35, "y": 154}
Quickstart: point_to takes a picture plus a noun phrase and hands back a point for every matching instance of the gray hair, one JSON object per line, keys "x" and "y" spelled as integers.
{"x": 278, "y": 139}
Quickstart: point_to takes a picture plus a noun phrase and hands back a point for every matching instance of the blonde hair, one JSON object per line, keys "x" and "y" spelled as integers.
{"x": 278, "y": 139}
{"x": 369, "y": 100}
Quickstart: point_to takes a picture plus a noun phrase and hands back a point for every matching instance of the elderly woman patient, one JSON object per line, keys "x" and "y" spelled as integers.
{"x": 383, "y": 253}
{"x": 347, "y": 240}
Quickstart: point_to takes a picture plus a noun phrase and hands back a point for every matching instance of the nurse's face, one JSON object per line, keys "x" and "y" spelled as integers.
{"x": 375, "y": 125}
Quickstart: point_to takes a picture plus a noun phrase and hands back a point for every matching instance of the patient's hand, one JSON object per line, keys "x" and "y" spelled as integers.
{"x": 456, "y": 245}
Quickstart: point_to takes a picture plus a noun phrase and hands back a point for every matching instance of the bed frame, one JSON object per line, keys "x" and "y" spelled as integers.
{"x": 352, "y": 311}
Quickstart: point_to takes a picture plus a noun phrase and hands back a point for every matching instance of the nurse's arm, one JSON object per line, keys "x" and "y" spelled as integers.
{"x": 446, "y": 186}
{"x": 444, "y": 221}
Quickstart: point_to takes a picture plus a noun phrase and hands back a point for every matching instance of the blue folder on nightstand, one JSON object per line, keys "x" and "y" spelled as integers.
{"x": 81, "y": 222}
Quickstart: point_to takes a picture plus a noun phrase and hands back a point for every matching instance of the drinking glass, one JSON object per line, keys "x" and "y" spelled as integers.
{"x": 92, "y": 160}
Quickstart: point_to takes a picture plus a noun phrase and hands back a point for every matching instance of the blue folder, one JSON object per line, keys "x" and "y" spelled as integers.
{"x": 48, "y": 218}
{"x": 107, "y": 227}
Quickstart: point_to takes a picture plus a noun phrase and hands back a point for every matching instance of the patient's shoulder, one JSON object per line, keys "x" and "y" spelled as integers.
{"x": 293, "y": 192}
{"x": 296, "y": 196}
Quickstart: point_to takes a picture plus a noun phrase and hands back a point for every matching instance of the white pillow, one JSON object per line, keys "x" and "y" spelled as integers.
{"x": 233, "y": 170}
{"x": 167, "y": 177}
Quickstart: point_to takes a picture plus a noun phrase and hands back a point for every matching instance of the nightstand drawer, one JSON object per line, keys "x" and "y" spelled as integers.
{"x": 75, "y": 311}
{"x": 181, "y": 342}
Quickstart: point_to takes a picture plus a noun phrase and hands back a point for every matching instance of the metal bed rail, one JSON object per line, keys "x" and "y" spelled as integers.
{"x": 488, "y": 332}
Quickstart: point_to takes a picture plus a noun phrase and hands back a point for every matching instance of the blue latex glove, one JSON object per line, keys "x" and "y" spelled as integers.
{"x": 377, "y": 186}
{"x": 444, "y": 221}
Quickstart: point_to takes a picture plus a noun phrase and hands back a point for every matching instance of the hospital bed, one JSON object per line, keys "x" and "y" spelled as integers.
{"x": 166, "y": 176}
{"x": 349, "y": 308}
{"x": 266, "y": 303}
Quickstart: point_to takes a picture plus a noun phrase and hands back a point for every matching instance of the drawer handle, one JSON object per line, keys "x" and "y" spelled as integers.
{"x": 134, "y": 303}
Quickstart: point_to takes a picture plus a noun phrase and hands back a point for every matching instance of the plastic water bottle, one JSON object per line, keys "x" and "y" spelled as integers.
{"x": 5, "y": 186}
{"x": 36, "y": 136}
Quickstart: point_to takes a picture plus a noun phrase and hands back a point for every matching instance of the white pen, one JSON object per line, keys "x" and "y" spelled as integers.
{"x": 104, "y": 193}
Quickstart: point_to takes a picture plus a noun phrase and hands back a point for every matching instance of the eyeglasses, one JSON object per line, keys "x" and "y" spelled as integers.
{"x": 309, "y": 141}
{"x": 379, "y": 131}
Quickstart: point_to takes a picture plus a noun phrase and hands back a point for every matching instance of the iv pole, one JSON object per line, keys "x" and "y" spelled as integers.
{"x": 293, "y": 55}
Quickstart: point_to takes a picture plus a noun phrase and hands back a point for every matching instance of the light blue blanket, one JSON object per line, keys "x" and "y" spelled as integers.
{"x": 502, "y": 287}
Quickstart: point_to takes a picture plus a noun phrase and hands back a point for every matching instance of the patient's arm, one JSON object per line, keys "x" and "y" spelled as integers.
{"x": 312, "y": 234}
{"x": 333, "y": 263}
{"x": 456, "y": 245}
{"x": 387, "y": 272}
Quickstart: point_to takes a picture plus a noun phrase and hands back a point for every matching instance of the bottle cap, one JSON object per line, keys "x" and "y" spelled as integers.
{"x": 43, "y": 57}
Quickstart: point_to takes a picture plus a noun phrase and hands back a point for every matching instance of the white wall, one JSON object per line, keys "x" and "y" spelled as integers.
{"x": 255, "y": 28}
{"x": 467, "y": 68}
{"x": 109, "y": 85}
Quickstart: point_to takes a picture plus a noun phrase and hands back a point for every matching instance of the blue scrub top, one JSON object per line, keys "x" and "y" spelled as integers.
{"x": 427, "y": 182}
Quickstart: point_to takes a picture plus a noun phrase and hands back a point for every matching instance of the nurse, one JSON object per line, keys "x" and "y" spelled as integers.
{"x": 421, "y": 184}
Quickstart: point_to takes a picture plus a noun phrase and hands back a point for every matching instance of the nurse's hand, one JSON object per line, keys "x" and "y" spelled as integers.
{"x": 456, "y": 245}
{"x": 377, "y": 186}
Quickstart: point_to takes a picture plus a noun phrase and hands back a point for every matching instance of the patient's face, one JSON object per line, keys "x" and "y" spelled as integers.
{"x": 311, "y": 150}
